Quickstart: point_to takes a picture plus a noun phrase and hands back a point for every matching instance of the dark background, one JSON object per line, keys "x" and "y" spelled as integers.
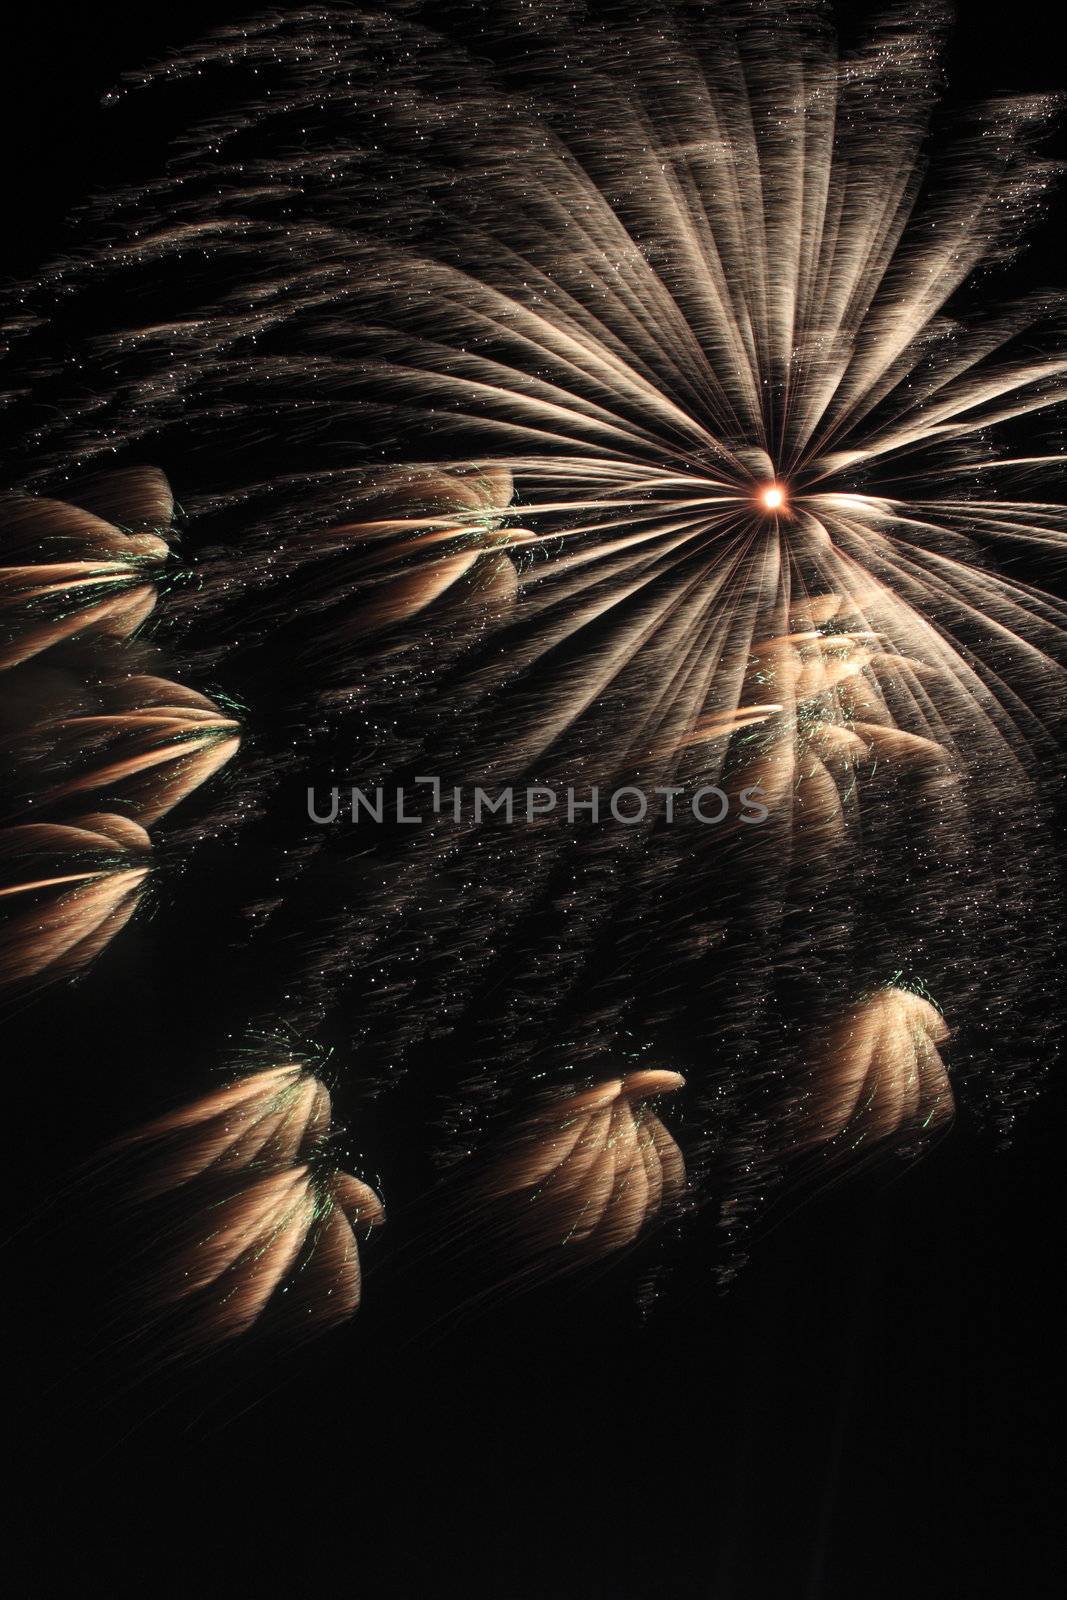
{"x": 870, "y": 1411}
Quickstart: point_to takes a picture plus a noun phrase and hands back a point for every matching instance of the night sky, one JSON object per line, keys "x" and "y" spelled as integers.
{"x": 869, "y": 1409}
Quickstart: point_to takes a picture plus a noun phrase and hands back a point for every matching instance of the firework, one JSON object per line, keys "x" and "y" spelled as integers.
{"x": 68, "y": 573}
{"x": 80, "y": 728}
{"x": 593, "y": 1169}
{"x": 65, "y": 891}
{"x": 262, "y": 1209}
{"x": 612, "y": 418}
{"x": 881, "y": 1073}
{"x": 155, "y": 744}
{"x": 421, "y": 550}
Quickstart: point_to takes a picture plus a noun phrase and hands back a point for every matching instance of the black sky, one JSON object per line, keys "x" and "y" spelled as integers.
{"x": 870, "y": 1412}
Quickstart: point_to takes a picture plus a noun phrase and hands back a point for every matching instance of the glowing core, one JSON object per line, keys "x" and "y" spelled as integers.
{"x": 772, "y": 498}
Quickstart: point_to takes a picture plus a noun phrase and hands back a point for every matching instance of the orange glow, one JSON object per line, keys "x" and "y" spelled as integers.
{"x": 772, "y": 498}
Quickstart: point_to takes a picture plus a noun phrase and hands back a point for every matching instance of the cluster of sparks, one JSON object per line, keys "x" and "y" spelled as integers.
{"x": 580, "y": 414}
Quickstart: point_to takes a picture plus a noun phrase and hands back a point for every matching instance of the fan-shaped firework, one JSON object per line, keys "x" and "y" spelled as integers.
{"x": 881, "y": 1072}
{"x": 155, "y": 743}
{"x": 682, "y": 296}
{"x": 261, "y": 1209}
{"x": 69, "y": 573}
{"x": 65, "y": 891}
{"x": 592, "y": 1170}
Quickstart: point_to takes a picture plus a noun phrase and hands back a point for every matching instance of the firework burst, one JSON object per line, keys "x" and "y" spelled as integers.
{"x": 253, "y": 1207}
{"x": 586, "y": 414}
